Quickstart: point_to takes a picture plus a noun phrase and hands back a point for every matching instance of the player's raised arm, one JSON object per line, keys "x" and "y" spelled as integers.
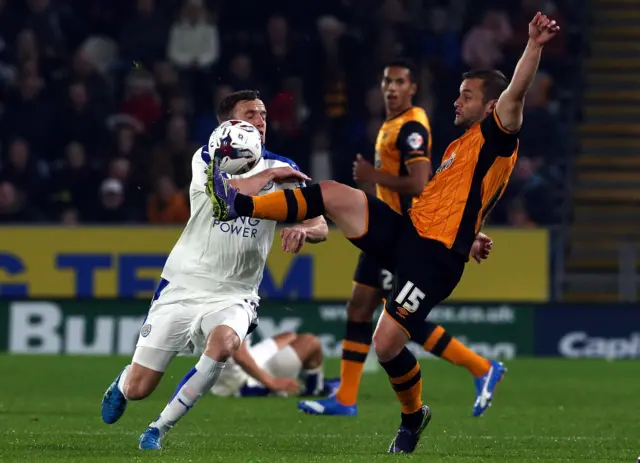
{"x": 252, "y": 185}
{"x": 510, "y": 104}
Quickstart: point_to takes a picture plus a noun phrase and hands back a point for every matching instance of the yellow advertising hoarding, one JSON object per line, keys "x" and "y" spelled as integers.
{"x": 46, "y": 262}
{"x": 516, "y": 271}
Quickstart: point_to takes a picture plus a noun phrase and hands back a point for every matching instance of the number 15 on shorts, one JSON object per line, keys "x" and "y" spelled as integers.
{"x": 410, "y": 297}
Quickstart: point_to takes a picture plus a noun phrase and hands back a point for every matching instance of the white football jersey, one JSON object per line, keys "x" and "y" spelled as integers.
{"x": 226, "y": 258}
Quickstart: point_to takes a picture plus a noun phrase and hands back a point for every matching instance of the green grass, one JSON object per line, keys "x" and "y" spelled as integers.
{"x": 545, "y": 410}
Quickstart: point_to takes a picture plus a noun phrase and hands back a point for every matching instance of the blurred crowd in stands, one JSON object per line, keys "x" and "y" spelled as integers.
{"x": 104, "y": 102}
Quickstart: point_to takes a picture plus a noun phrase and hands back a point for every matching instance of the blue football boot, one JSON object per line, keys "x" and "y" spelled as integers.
{"x": 406, "y": 439}
{"x": 151, "y": 439}
{"x": 485, "y": 387}
{"x": 331, "y": 387}
{"x": 114, "y": 403}
{"x": 328, "y": 406}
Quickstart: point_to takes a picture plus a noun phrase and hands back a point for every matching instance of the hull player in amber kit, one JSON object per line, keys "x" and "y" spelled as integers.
{"x": 402, "y": 169}
{"x": 427, "y": 249}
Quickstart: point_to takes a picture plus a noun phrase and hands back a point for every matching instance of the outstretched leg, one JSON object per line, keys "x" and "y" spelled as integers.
{"x": 345, "y": 206}
{"x": 136, "y": 381}
{"x": 486, "y": 373}
{"x": 226, "y": 330}
{"x": 158, "y": 343}
{"x": 367, "y": 222}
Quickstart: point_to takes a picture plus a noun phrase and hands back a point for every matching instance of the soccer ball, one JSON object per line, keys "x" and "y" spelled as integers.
{"x": 236, "y": 146}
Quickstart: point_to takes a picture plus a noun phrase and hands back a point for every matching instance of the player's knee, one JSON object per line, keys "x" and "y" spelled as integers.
{"x": 222, "y": 343}
{"x": 285, "y": 338}
{"x": 309, "y": 349}
{"x": 310, "y": 341}
{"x": 334, "y": 190}
{"x": 386, "y": 347}
{"x": 329, "y": 187}
{"x": 333, "y": 195}
{"x": 380, "y": 345}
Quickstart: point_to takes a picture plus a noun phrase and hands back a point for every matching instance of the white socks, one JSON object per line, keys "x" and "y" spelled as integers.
{"x": 198, "y": 381}
{"x": 122, "y": 379}
{"x": 313, "y": 381}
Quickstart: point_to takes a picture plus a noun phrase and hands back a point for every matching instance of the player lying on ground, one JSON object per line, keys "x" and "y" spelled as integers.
{"x": 426, "y": 251}
{"x": 254, "y": 368}
{"x": 208, "y": 294}
{"x": 402, "y": 169}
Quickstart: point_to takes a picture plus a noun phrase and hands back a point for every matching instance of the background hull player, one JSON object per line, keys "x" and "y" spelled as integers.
{"x": 428, "y": 249}
{"x": 402, "y": 169}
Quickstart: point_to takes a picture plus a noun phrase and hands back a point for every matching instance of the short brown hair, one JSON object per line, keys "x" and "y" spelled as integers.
{"x": 228, "y": 103}
{"x": 494, "y": 82}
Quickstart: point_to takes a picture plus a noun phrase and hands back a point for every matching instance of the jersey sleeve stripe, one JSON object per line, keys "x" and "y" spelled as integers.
{"x": 204, "y": 154}
{"x": 499, "y": 124}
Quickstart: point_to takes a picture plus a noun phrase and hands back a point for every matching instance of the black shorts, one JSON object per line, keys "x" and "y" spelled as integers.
{"x": 425, "y": 271}
{"x": 369, "y": 273}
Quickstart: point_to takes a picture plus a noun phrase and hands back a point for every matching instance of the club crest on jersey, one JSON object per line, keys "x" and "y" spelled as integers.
{"x": 446, "y": 164}
{"x": 415, "y": 140}
{"x": 145, "y": 330}
{"x": 268, "y": 186}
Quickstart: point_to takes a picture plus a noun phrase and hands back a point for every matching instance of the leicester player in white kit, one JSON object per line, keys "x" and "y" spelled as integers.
{"x": 254, "y": 367}
{"x": 208, "y": 295}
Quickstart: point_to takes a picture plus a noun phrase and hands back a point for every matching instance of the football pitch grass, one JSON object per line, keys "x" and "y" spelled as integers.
{"x": 544, "y": 410}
